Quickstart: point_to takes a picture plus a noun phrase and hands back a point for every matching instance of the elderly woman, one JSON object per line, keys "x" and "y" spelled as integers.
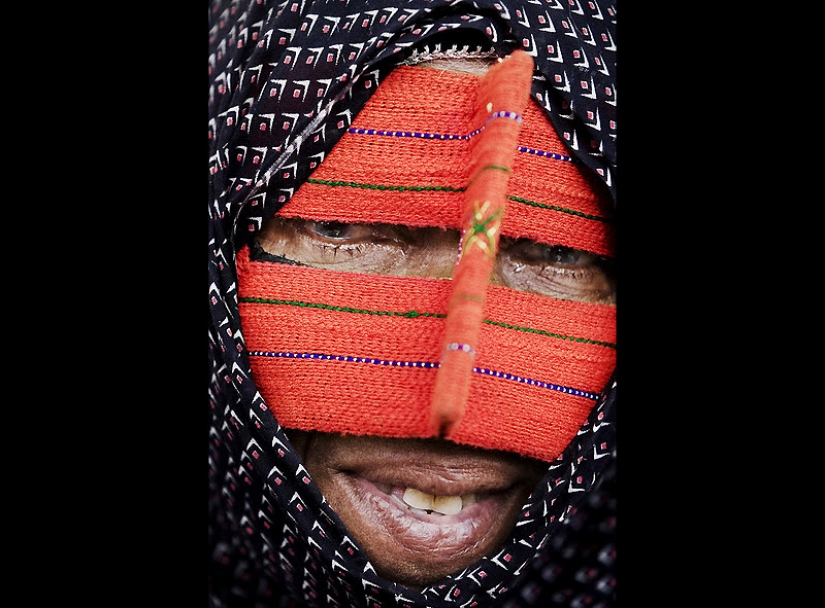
{"x": 412, "y": 303}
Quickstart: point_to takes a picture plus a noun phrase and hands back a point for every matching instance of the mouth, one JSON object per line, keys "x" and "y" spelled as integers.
{"x": 415, "y": 536}
{"x": 422, "y": 510}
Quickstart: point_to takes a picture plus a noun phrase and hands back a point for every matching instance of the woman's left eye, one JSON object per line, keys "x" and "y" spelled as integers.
{"x": 556, "y": 255}
{"x": 557, "y": 271}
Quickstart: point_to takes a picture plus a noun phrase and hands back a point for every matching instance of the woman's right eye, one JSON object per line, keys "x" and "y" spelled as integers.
{"x": 330, "y": 230}
{"x": 340, "y": 232}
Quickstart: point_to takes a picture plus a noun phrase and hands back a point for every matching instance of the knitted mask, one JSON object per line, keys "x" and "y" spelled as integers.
{"x": 477, "y": 364}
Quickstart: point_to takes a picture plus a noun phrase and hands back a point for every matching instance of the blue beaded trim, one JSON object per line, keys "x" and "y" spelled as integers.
{"x": 462, "y": 136}
{"x": 531, "y": 382}
{"x": 545, "y": 154}
{"x": 442, "y": 136}
{"x": 427, "y": 365}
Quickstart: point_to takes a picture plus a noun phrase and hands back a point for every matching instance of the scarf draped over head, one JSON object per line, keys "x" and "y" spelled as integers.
{"x": 286, "y": 81}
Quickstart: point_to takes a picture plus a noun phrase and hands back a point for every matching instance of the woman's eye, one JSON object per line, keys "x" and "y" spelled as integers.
{"x": 332, "y": 230}
{"x": 557, "y": 271}
{"x": 539, "y": 253}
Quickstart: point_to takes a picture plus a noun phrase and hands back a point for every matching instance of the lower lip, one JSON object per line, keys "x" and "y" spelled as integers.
{"x": 434, "y": 538}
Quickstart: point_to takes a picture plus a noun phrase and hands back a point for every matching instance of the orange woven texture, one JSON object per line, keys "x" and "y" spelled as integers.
{"x": 408, "y": 101}
{"x": 289, "y": 309}
{"x": 554, "y": 201}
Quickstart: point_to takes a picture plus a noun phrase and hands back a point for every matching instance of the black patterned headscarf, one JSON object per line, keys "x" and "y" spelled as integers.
{"x": 273, "y": 539}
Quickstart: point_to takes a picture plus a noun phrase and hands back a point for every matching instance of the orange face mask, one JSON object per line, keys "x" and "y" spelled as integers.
{"x": 474, "y": 363}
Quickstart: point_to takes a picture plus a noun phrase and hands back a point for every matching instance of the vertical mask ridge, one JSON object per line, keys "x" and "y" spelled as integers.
{"x": 503, "y": 93}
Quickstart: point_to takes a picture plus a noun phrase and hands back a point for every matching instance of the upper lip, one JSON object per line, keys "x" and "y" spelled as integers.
{"x": 447, "y": 472}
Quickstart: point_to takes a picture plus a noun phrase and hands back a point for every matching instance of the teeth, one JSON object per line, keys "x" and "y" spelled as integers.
{"x": 446, "y": 505}
{"x": 418, "y": 500}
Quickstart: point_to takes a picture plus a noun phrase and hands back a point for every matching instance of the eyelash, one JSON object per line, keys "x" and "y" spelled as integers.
{"x": 334, "y": 248}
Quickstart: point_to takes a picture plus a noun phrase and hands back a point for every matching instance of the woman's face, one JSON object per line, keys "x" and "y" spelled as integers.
{"x": 424, "y": 508}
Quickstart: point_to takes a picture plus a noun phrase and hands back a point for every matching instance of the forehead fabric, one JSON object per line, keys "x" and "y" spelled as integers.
{"x": 406, "y": 159}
